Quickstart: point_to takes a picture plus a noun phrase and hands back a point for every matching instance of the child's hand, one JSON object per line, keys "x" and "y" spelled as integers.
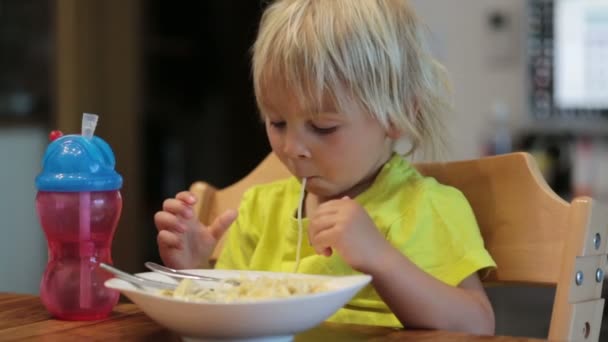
{"x": 183, "y": 241}
{"x": 345, "y": 226}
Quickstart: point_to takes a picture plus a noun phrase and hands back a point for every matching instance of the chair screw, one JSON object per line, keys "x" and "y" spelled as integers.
{"x": 579, "y": 277}
{"x": 597, "y": 240}
{"x": 599, "y": 275}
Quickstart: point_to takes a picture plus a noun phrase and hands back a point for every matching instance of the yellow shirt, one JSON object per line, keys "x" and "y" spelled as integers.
{"x": 430, "y": 223}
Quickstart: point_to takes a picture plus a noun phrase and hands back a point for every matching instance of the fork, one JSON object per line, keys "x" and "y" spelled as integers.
{"x": 180, "y": 274}
{"x": 137, "y": 281}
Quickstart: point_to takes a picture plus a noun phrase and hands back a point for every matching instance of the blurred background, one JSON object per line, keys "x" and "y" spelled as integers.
{"x": 171, "y": 83}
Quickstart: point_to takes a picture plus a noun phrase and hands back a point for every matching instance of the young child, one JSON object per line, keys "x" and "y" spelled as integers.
{"x": 338, "y": 83}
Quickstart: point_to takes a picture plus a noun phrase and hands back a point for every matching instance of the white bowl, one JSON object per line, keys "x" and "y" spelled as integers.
{"x": 276, "y": 319}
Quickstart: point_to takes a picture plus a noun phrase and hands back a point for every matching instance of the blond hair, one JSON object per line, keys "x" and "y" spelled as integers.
{"x": 366, "y": 53}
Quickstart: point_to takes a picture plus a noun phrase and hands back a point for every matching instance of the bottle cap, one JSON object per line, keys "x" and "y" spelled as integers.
{"x": 75, "y": 163}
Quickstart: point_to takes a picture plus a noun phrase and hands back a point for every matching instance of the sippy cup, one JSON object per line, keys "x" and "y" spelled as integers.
{"x": 78, "y": 204}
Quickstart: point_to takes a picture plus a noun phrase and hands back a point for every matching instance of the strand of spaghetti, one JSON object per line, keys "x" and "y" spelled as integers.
{"x": 300, "y": 229}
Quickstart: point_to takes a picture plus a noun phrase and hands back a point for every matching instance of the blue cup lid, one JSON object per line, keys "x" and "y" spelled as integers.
{"x": 75, "y": 163}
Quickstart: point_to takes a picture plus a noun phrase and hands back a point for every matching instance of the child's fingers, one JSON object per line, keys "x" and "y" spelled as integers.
{"x": 322, "y": 242}
{"x": 327, "y": 208}
{"x": 187, "y": 197}
{"x": 318, "y": 224}
{"x": 178, "y": 207}
{"x": 168, "y": 240}
{"x": 332, "y": 206}
{"x": 167, "y": 221}
{"x": 222, "y": 222}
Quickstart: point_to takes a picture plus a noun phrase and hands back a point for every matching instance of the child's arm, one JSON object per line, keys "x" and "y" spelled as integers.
{"x": 415, "y": 297}
{"x": 421, "y": 301}
{"x": 183, "y": 241}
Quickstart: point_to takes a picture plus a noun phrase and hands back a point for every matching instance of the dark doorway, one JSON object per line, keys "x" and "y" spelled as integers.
{"x": 200, "y": 121}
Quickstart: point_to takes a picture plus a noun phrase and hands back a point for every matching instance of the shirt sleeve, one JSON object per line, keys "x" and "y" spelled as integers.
{"x": 242, "y": 238}
{"x": 441, "y": 236}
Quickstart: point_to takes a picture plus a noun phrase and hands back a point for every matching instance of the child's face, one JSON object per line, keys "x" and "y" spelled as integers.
{"x": 338, "y": 153}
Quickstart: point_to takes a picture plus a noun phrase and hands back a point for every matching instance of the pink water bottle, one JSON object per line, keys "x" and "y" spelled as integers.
{"x": 78, "y": 205}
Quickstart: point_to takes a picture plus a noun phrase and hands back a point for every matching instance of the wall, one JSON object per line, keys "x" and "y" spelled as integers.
{"x": 22, "y": 246}
{"x": 485, "y": 67}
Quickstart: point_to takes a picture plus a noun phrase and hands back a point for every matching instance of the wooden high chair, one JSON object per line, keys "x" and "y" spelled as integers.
{"x": 534, "y": 236}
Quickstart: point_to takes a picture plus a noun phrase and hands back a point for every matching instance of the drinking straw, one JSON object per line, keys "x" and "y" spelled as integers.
{"x": 89, "y": 122}
{"x": 85, "y": 237}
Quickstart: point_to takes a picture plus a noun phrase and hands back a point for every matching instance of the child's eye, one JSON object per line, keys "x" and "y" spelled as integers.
{"x": 324, "y": 130}
{"x": 278, "y": 124}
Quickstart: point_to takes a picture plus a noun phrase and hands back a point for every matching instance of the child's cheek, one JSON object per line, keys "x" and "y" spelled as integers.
{"x": 275, "y": 140}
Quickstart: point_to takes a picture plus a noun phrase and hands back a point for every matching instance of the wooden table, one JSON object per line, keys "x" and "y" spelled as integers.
{"x": 23, "y": 317}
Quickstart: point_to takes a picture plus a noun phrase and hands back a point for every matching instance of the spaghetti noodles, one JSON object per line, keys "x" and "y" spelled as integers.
{"x": 248, "y": 289}
{"x": 300, "y": 229}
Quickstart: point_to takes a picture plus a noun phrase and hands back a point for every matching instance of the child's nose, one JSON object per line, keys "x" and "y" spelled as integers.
{"x": 294, "y": 147}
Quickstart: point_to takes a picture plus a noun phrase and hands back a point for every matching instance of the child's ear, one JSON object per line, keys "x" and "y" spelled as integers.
{"x": 393, "y": 132}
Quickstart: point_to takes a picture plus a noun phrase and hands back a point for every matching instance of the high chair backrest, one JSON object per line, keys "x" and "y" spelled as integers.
{"x": 534, "y": 236}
